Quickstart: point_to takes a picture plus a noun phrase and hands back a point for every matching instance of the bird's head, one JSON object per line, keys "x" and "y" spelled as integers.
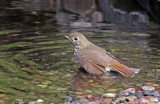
{"x": 78, "y": 40}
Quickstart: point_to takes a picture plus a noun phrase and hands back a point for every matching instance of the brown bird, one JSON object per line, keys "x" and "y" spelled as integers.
{"x": 96, "y": 60}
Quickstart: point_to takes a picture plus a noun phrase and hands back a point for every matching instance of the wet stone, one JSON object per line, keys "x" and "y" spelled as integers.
{"x": 131, "y": 90}
{"x": 152, "y": 99}
{"x": 110, "y": 95}
{"x": 93, "y": 103}
{"x": 155, "y": 93}
{"x": 147, "y": 93}
{"x": 124, "y": 93}
{"x": 69, "y": 99}
{"x": 131, "y": 98}
{"x": 120, "y": 99}
{"x": 139, "y": 94}
{"x": 19, "y": 101}
{"x": 32, "y": 102}
{"x": 106, "y": 101}
{"x": 83, "y": 101}
{"x": 148, "y": 88}
{"x": 39, "y": 101}
{"x": 143, "y": 101}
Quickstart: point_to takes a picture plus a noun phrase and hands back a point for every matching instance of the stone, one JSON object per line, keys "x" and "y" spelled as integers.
{"x": 93, "y": 102}
{"x": 32, "y": 102}
{"x": 110, "y": 95}
{"x": 39, "y": 101}
{"x": 148, "y": 88}
{"x": 152, "y": 99}
{"x": 130, "y": 98}
{"x": 139, "y": 94}
{"x": 106, "y": 101}
{"x": 74, "y": 102}
{"x": 155, "y": 93}
{"x": 131, "y": 90}
{"x": 68, "y": 99}
{"x": 147, "y": 93}
{"x": 143, "y": 100}
{"x": 19, "y": 101}
{"x": 124, "y": 93}
{"x": 83, "y": 101}
{"x": 89, "y": 97}
{"x": 120, "y": 100}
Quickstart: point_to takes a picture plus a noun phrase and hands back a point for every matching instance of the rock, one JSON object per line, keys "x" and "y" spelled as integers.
{"x": 152, "y": 99}
{"x": 130, "y": 98}
{"x": 148, "y": 88}
{"x": 39, "y": 101}
{"x": 68, "y": 99}
{"x": 89, "y": 97}
{"x": 93, "y": 102}
{"x": 106, "y": 101}
{"x": 147, "y": 93}
{"x": 139, "y": 94}
{"x": 110, "y": 95}
{"x": 131, "y": 90}
{"x": 74, "y": 102}
{"x": 155, "y": 93}
{"x": 83, "y": 101}
{"x": 120, "y": 100}
{"x": 127, "y": 92}
{"x": 124, "y": 93}
{"x": 143, "y": 100}
{"x": 19, "y": 101}
{"x": 32, "y": 102}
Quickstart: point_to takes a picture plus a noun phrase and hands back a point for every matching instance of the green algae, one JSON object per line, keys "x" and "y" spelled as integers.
{"x": 16, "y": 44}
{"x": 9, "y": 31}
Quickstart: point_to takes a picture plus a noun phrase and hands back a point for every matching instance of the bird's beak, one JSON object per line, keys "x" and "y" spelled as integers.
{"x": 66, "y": 36}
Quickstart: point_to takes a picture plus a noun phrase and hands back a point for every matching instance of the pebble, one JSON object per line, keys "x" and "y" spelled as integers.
{"x": 83, "y": 101}
{"x": 139, "y": 94}
{"x": 131, "y": 97}
{"x": 93, "y": 102}
{"x": 32, "y": 102}
{"x": 152, "y": 99}
{"x": 155, "y": 93}
{"x": 148, "y": 88}
{"x": 124, "y": 93}
{"x": 127, "y": 92}
{"x": 110, "y": 95}
{"x": 147, "y": 93}
{"x": 143, "y": 101}
{"x": 106, "y": 101}
{"x": 19, "y": 101}
{"x": 39, "y": 101}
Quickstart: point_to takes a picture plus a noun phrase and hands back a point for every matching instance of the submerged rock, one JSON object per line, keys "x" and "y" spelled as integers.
{"x": 109, "y": 95}
{"x": 148, "y": 88}
{"x": 139, "y": 95}
{"x": 19, "y": 101}
{"x": 83, "y": 101}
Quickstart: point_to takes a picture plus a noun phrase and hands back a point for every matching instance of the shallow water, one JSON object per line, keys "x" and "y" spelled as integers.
{"x": 38, "y": 64}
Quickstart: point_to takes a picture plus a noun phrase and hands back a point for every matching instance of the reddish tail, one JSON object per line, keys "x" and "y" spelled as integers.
{"x": 122, "y": 69}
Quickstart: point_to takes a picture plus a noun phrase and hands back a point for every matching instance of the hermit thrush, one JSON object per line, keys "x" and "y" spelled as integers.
{"x": 95, "y": 60}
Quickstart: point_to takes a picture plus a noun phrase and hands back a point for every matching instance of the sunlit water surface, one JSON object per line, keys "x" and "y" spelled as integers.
{"x": 40, "y": 65}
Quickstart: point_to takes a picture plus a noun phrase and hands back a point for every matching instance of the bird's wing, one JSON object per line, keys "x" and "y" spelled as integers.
{"x": 94, "y": 68}
{"x": 94, "y": 64}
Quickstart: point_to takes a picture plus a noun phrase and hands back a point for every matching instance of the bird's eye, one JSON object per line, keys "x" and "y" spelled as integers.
{"x": 76, "y": 38}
